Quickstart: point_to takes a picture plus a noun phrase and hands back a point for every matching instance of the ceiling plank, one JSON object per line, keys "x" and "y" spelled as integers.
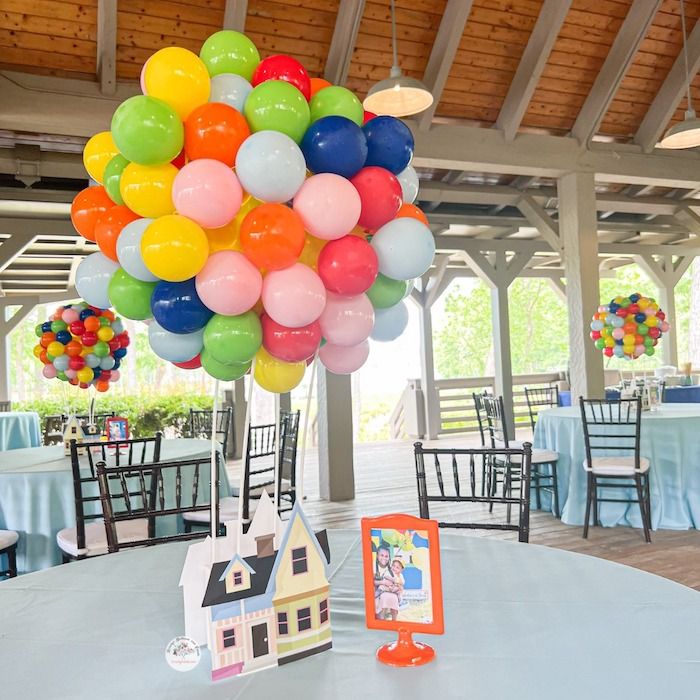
{"x": 235, "y": 12}
{"x": 621, "y": 55}
{"x": 107, "y": 46}
{"x": 347, "y": 25}
{"x": 531, "y": 65}
{"x": 454, "y": 19}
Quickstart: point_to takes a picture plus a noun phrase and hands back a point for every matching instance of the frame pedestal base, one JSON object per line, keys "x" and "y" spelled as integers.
{"x": 405, "y": 652}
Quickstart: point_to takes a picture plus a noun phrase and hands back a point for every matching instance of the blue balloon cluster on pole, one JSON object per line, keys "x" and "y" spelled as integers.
{"x": 177, "y": 307}
{"x": 334, "y": 145}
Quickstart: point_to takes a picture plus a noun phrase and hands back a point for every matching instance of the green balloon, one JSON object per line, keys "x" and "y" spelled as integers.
{"x": 58, "y": 326}
{"x": 600, "y": 343}
{"x": 336, "y": 100}
{"x": 112, "y": 177}
{"x": 38, "y": 330}
{"x": 642, "y": 329}
{"x": 233, "y": 339}
{"x": 62, "y": 376}
{"x": 230, "y": 52}
{"x": 147, "y": 130}
{"x": 386, "y": 292}
{"x": 649, "y": 351}
{"x": 410, "y": 284}
{"x": 649, "y": 341}
{"x": 278, "y": 106}
{"x": 100, "y": 348}
{"x": 131, "y": 297}
{"x": 218, "y": 370}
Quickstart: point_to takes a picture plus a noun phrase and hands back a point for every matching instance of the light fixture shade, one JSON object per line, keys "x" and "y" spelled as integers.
{"x": 685, "y": 134}
{"x": 398, "y": 96}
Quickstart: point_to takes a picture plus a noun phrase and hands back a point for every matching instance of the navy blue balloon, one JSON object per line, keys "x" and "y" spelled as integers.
{"x": 96, "y": 372}
{"x": 640, "y": 317}
{"x": 613, "y": 307}
{"x": 634, "y": 298}
{"x": 118, "y": 354}
{"x": 85, "y": 313}
{"x": 177, "y": 307}
{"x": 46, "y": 326}
{"x": 334, "y": 145}
{"x": 63, "y": 337}
{"x": 389, "y": 144}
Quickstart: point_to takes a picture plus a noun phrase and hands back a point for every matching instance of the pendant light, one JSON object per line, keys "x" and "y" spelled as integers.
{"x": 685, "y": 134}
{"x": 398, "y": 95}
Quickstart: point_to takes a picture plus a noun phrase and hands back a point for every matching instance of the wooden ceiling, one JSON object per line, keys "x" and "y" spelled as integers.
{"x": 59, "y": 37}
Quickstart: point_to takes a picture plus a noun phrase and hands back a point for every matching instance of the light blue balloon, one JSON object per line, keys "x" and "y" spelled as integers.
{"x": 129, "y": 250}
{"x": 408, "y": 179}
{"x": 92, "y": 278}
{"x": 92, "y": 361}
{"x": 270, "y": 166}
{"x": 597, "y": 325}
{"x": 618, "y": 321}
{"x": 405, "y": 248}
{"x": 61, "y": 363}
{"x": 389, "y": 323}
{"x": 117, "y": 326}
{"x": 231, "y": 89}
{"x": 618, "y": 351}
{"x": 106, "y": 362}
{"x": 174, "y": 347}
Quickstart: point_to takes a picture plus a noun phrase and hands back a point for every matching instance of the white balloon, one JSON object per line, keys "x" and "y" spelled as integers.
{"x": 389, "y": 323}
{"x": 92, "y": 278}
{"x": 129, "y": 250}
{"x": 405, "y": 248}
{"x": 270, "y": 166}
{"x": 408, "y": 179}
{"x": 174, "y": 347}
{"x": 230, "y": 89}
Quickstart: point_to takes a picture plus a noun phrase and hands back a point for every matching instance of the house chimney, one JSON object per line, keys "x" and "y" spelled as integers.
{"x": 265, "y": 544}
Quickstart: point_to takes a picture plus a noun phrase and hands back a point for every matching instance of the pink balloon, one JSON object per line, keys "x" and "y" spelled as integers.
{"x": 70, "y": 316}
{"x": 71, "y": 373}
{"x": 114, "y": 376}
{"x": 649, "y": 311}
{"x": 229, "y": 283}
{"x": 341, "y": 359}
{"x": 618, "y": 333}
{"x": 328, "y": 205}
{"x": 293, "y": 297}
{"x": 665, "y": 325}
{"x": 208, "y": 192}
{"x": 347, "y": 321}
{"x": 49, "y": 371}
{"x": 639, "y": 350}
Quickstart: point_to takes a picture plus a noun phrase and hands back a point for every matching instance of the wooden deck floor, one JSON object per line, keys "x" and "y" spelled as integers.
{"x": 385, "y": 483}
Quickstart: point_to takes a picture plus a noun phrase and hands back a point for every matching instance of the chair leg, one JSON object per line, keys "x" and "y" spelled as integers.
{"x": 538, "y": 496}
{"x": 648, "y": 499}
{"x": 12, "y": 561}
{"x": 596, "y": 519}
{"x": 642, "y": 506}
{"x": 555, "y": 489}
{"x": 506, "y": 493}
{"x": 589, "y": 498}
{"x": 188, "y": 527}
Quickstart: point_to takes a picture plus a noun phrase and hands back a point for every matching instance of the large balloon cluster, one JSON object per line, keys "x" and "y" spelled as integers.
{"x": 82, "y": 345}
{"x": 252, "y": 212}
{"x": 628, "y": 327}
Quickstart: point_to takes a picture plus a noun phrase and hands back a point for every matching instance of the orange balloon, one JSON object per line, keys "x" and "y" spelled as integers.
{"x": 91, "y": 323}
{"x": 108, "y": 313}
{"x": 44, "y": 357}
{"x": 215, "y": 130}
{"x": 411, "y": 211}
{"x": 312, "y": 249}
{"x": 74, "y": 347}
{"x": 47, "y": 338}
{"x": 87, "y": 207}
{"x": 272, "y": 236}
{"x": 101, "y": 386}
{"x": 108, "y": 227}
{"x": 318, "y": 84}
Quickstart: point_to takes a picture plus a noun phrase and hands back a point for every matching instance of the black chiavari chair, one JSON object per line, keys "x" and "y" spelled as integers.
{"x": 53, "y": 430}
{"x": 8, "y": 548}
{"x": 5, "y": 406}
{"x": 201, "y": 424}
{"x": 538, "y": 398}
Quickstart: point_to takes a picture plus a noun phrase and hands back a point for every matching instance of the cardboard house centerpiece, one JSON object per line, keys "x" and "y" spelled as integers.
{"x": 73, "y": 431}
{"x": 264, "y": 605}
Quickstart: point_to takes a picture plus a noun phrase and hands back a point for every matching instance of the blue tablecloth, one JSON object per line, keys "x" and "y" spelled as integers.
{"x": 565, "y": 396}
{"x": 36, "y": 496}
{"x": 521, "y": 622}
{"x": 19, "y": 429}
{"x": 671, "y": 441}
{"x": 682, "y": 394}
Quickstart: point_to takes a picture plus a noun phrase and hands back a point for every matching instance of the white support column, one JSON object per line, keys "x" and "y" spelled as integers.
{"x": 286, "y": 402}
{"x": 335, "y": 444}
{"x": 239, "y": 411}
{"x": 7, "y": 325}
{"x": 578, "y": 231}
{"x": 4, "y": 367}
{"x": 427, "y": 371}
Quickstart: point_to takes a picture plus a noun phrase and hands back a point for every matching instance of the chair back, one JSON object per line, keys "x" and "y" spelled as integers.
{"x": 124, "y": 453}
{"x": 448, "y": 477}
{"x": 611, "y": 425}
{"x": 495, "y": 421}
{"x": 539, "y": 398}
{"x": 5, "y": 406}
{"x": 155, "y": 491}
{"x": 53, "y": 429}
{"x": 289, "y": 438}
{"x": 99, "y": 419}
{"x": 480, "y": 416}
{"x": 201, "y": 422}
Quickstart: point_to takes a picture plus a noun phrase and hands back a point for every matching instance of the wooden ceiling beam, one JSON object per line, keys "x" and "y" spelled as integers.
{"x": 620, "y": 57}
{"x": 347, "y": 25}
{"x": 107, "y": 46}
{"x": 437, "y": 70}
{"x": 235, "y": 13}
{"x": 531, "y": 65}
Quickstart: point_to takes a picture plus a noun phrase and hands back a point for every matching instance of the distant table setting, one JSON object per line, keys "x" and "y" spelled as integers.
{"x": 19, "y": 429}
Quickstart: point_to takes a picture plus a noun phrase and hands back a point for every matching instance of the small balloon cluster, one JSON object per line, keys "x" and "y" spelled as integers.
{"x": 628, "y": 327}
{"x": 82, "y": 345}
{"x": 251, "y": 211}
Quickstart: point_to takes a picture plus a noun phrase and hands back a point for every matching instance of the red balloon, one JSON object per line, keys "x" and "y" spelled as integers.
{"x": 77, "y": 328}
{"x": 368, "y": 116}
{"x": 282, "y": 67}
{"x": 655, "y": 332}
{"x": 608, "y": 352}
{"x": 194, "y": 363}
{"x": 290, "y": 344}
{"x": 215, "y": 130}
{"x": 348, "y": 265}
{"x": 633, "y": 308}
{"x": 178, "y": 161}
{"x": 124, "y": 339}
{"x": 105, "y": 374}
{"x": 660, "y": 315}
{"x": 380, "y": 194}
{"x": 76, "y": 362}
{"x": 622, "y": 312}
{"x": 595, "y": 335}
{"x": 89, "y": 338}
{"x": 87, "y": 206}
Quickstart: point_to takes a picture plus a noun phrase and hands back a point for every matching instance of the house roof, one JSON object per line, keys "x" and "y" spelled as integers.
{"x": 216, "y": 588}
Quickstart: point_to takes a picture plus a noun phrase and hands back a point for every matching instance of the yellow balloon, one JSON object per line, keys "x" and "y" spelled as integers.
{"x": 179, "y": 77}
{"x": 105, "y": 333}
{"x": 98, "y": 151}
{"x": 86, "y": 350}
{"x": 55, "y": 348}
{"x": 147, "y": 189}
{"x": 174, "y": 248}
{"x": 651, "y": 321}
{"x": 312, "y": 249}
{"x": 249, "y": 203}
{"x": 85, "y": 374}
{"x": 277, "y": 376}
{"x": 224, "y": 238}
{"x": 38, "y": 350}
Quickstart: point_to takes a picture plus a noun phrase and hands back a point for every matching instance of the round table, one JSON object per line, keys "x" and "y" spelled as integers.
{"x": 521, "y": 621}
{"x": 19, "y": 429}
{"x": 669, "y": 439}
{"x": 36, "y": 496}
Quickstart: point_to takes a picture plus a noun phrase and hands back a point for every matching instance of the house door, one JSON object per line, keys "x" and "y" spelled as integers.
{"x": 260, "y": 646}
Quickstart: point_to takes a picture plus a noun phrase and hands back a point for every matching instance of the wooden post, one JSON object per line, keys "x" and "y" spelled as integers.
{"x": 579, "y": 234}
{"x": 427, "y": 366}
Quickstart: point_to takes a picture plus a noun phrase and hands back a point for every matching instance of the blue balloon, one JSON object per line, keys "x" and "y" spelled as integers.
{"x": 87, "y": 312}
{"x": 634, "y": 298}
{"x": 46, "y": 326}
{"x": 613, "y": 307}
{"x": 96, "y": 372}
{"x": 65, "y": 337}
{"x": 61, "y": 363}
{"x": 389, "y": 144}
{"x": 177, "y": 307}
{"x": 116, "y": 361}
{"x": 334, "y": 145}
{"x": 118, "y": 354}
{"x": 389, "y": 323}
{"x": 639, "y": 318}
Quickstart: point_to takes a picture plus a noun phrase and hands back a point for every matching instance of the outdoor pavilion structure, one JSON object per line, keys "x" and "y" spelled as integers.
{"x": 538, "y": 157}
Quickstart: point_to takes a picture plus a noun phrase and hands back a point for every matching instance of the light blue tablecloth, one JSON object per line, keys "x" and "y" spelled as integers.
{"x": 36, "y": 496}
{"x": 522, "y": 622}
{"x": 671, "y": 441}
{"x": 19, "y": 429}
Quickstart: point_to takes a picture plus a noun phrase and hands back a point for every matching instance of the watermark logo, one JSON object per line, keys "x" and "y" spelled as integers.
{"x": 182, "y": 654}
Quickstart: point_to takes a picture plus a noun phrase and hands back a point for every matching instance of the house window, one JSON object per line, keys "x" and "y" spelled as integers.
{"x": 229, "y": 637}
{"x": 323, "y": 610}
{"x": 237, "y": 578}
{"x": 299, "y": 563}
{"x": 282, "y": 623}
{"x": 304, "y": 619}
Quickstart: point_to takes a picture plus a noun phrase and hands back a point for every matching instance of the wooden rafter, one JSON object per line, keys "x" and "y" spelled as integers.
{"x": 107, "y": 46}
{"x": 235, "y": 12}
{"x": 347, "y": 25}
